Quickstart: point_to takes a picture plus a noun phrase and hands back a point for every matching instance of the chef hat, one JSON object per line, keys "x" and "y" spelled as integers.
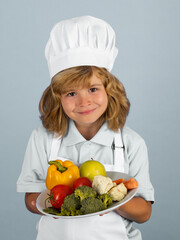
{"x": 80, "y": 41}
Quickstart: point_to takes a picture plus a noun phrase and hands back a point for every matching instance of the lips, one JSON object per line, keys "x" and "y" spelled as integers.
{"x": 87, "y": 112}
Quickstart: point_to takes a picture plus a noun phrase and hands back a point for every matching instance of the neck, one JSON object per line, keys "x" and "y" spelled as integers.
{"x": 88, "y": 131}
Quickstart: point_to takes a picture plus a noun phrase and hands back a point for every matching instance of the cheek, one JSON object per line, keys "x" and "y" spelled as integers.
{"x": 67, "y": 106}
{"x": 103, "y": 100}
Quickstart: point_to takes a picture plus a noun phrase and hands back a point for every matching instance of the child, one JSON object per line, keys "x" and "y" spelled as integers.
{"x": 83, "y": 112}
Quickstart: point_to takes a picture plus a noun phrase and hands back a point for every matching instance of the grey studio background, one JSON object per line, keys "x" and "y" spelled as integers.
{"x": 148, "y": 64}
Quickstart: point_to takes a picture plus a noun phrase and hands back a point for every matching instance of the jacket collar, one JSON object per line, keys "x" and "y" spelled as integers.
{"x": 104, "y": 136}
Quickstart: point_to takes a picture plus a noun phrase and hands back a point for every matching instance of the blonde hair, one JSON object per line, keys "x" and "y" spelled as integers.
{"x": 52, "y": 114}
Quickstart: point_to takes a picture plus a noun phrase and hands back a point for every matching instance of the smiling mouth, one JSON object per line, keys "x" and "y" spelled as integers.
{"x": 87, "y": 112}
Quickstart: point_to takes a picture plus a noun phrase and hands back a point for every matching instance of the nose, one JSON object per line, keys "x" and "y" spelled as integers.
{"x": 84, "y": 100}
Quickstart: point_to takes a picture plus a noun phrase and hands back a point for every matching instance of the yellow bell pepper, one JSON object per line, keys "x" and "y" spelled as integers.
{"x": 60, "y": 172}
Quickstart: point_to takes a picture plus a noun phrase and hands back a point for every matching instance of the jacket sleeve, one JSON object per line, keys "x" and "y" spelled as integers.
{"x": 35, "y": 165}
{"x": 137, "y": 156}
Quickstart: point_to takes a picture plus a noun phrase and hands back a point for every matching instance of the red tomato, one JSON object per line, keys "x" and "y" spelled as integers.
{"x": 82, "y": 181}
{"x": 58, "y": 193}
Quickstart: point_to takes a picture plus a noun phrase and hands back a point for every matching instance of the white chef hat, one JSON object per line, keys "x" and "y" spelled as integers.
{"x": 80, "y": 41}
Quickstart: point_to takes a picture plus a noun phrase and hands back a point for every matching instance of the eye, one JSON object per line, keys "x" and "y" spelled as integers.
{"x": 93, "y": 89}
{"x": 71, "y": 94}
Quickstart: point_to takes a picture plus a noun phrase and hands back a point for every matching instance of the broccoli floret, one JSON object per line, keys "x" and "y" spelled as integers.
{"x": 84, "y": 192}
{"x": 106, "y": 200}
{"x": 91, "y": 205}
{"x": 52, "y": 210}
{"x": 71, "y": 206}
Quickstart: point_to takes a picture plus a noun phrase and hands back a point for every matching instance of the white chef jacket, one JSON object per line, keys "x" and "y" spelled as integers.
{"x": 75, "y": 147}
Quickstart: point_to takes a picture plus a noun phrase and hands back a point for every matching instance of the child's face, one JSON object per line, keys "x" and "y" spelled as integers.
{"x": 85, "y": 105}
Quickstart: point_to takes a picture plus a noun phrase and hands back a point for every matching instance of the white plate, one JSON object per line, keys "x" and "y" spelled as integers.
{"x": 40, "y": 202}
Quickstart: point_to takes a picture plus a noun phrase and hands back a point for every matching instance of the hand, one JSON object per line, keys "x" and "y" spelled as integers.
{"x": 137, "y": 209}
{"x": 30, "y": 201}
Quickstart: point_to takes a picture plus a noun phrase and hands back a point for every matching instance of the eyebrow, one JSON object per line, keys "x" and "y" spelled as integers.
{"x": 74, "y": 89}
{"x": 94, "y": 85}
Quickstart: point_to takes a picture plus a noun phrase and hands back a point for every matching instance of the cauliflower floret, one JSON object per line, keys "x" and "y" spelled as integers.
{"x": 118, "y": 192}
{"x": 102, "y": 184}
